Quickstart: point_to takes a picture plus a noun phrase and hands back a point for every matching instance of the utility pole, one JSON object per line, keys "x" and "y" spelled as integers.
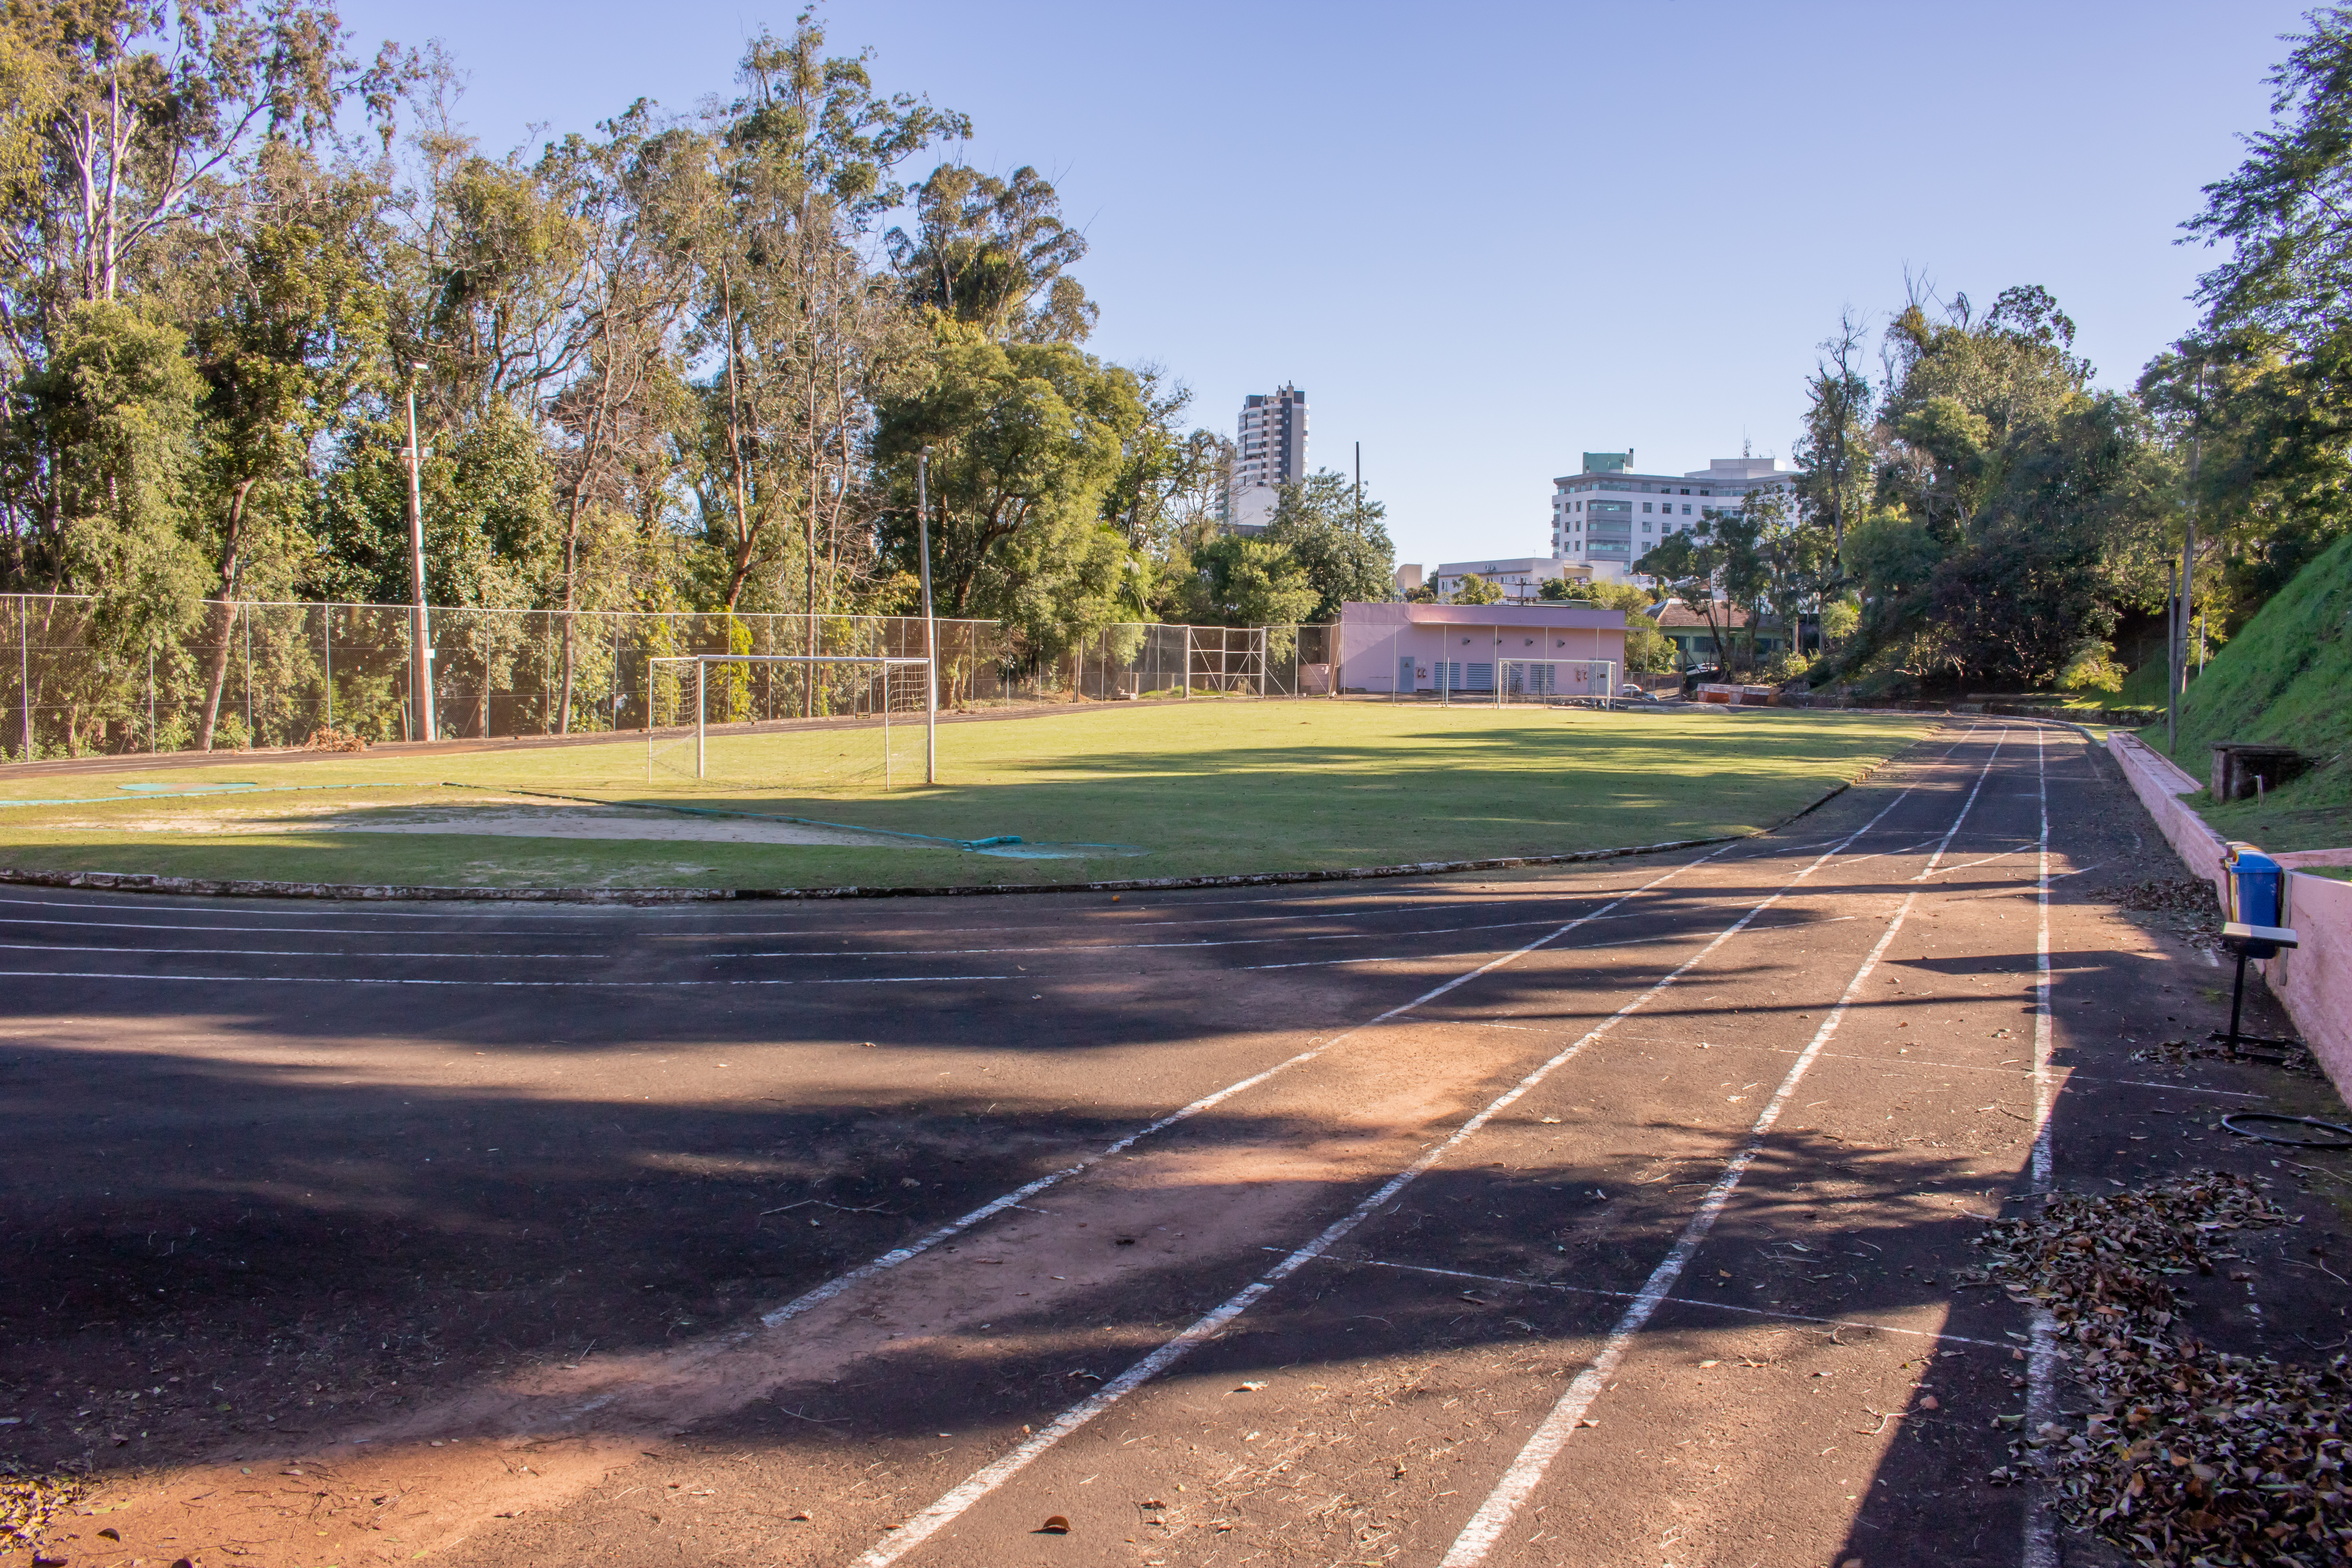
{"x": 421, "y": 628}
{"x": 930, "y": 625}
{"x": 2177, "y": 672}
{"x": 1359, "y": 487}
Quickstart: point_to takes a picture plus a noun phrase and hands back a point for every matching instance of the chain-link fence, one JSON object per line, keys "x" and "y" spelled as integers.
{"x": 296, "y": 674}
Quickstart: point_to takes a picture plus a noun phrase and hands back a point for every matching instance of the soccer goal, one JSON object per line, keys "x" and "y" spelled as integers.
{"x": 1551, "y": 680}
{"x": 868, "y": 695}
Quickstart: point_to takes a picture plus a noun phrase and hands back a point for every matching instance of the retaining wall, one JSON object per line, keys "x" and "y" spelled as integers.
{"x": 2314, "y": 981}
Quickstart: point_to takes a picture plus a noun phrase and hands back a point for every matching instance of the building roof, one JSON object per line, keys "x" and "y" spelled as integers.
{"x": 1555, "y": 613}
{"x": 1514, "y": 563}
{"x": 1674, "y": 615}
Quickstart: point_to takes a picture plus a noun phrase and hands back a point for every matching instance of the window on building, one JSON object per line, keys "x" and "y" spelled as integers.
{"x": 1646, "y": 506}
{"x": 1687, "y": 506}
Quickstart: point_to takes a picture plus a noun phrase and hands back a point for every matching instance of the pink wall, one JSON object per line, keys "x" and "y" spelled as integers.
{"x": 2314, "y": 981}
{"x": 1374, "y": 638}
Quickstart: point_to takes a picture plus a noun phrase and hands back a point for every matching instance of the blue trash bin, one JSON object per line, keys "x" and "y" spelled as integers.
{"x": 2258, "y": 887}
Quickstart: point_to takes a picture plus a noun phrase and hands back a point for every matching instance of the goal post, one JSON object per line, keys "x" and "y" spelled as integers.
{"x": 702, "y": 663}
{"x": 1548, "y": 681}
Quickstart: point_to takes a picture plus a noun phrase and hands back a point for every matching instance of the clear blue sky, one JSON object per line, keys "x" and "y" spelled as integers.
{"x": 1486, "y": 238}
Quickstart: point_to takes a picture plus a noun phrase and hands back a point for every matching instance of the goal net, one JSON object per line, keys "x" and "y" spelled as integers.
{"x": 809, "y": 724}
{"x": 1552, "y": 680}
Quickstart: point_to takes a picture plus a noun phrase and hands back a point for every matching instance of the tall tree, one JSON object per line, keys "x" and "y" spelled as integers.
{"x": 995, "y": 253}
{"x": 1339, "y": 538}
{"x": 1834, "y": 457}
{"x": 129, "y": 117}
{"x": 1027, "y": 440}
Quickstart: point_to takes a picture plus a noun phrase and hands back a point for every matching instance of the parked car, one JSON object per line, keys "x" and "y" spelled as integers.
{"x": 1639, "y": 693}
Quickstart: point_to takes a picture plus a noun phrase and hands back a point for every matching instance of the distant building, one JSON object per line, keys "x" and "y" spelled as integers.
{"x": 1607, "y": 516}
{"x": 1408, "y": 577}
{"x": 1271, "y": 453}
{"x": 1521, "y": 578}
{"x": 1694, "y": 634}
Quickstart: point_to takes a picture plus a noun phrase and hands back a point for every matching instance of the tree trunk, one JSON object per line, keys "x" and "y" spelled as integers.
{"x": 217, "y": 660}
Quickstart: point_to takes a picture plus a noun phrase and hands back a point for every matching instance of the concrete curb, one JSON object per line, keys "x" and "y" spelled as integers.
{"x": 2313, "y": 982}
{"x": 380, "y": 892}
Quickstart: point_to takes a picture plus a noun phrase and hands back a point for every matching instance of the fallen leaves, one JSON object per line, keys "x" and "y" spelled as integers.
{"x": 31, "y": 1501}
{"x": 2195, "y": 1455}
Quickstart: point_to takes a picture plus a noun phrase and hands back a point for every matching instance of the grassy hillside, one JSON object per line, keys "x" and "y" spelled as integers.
{"x": 2285, "y": 678}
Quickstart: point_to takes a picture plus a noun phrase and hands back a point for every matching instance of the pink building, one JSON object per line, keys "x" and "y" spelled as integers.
{"x": 1541, "y": 649}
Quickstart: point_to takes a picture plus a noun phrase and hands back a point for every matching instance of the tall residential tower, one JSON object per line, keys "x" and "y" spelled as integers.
{"x": 1271, "y": 452}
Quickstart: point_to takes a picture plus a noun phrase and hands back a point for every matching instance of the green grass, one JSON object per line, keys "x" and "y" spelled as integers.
{"x": 1198, "y": 789}
{"x": 2286, "y": 678}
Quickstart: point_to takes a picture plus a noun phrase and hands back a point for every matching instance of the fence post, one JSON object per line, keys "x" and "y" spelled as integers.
{"x": 327, "y": 647}
{"x": 24, "y": 675}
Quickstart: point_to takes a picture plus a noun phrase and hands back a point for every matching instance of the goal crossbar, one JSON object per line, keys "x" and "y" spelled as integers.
{"x": 703, "y": 661}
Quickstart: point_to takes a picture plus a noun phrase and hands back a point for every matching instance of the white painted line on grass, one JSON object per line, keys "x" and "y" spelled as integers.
{"x": 1671, "y": 1301}
{"x": 948, "y": 1509}
{"x": 1486, "y": 1528}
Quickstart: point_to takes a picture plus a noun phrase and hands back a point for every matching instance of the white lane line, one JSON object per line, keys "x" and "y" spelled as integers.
{"x": 213, "y": 928}
{"x": 2022, "y": 845}
{"x": 273, "y": 952}
{"x": 2072, "y": 1078}
{"x": 1969, "y": 804}
{"x": 955, "y": 1228}
{"x": 1486, "y": 1528}
{"x": 948, "y": 1509}
{"x": 505, "y": 985}
{"x": 2041, "y": 1544}
{"x": 1669, "y": 1301}
{"x": 1366, "y": 913}
{"x": 1286, "y": 940}
{"x": 1565, "y": 947}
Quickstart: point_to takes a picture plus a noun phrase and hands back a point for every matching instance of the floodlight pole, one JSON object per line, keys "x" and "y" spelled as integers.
{"x": 422, "y": 628}
{"x": 930, "y": 625}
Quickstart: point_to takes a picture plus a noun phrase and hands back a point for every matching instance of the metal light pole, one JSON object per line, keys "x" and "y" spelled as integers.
{"x": 930, "y": 625}
{"x": 421, "y": 625}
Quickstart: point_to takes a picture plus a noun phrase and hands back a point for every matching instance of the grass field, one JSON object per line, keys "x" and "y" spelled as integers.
{"x": 1164, "y": 790}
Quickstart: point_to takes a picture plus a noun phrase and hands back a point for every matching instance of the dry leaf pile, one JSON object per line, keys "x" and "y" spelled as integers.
{"x": 2169, "y": 895}
{"x": 2293, "y": 1058}
{"x": 2194, "y": 1456}
{"x": 30, "y": 1502}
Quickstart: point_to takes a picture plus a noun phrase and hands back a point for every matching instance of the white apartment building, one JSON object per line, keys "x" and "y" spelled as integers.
{"x": 1521, "y": 578}
{"x": 1271, "y": 451}
{"x": 1608, "y": 516}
